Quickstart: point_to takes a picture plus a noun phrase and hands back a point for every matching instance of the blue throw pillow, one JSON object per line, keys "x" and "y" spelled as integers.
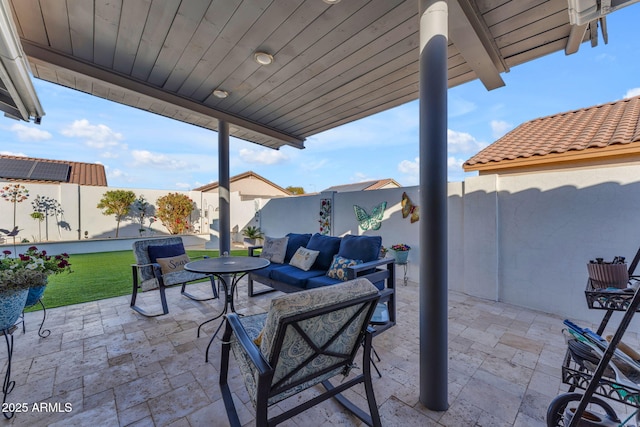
{"x": 366, "y": 248}
{"x": 165, "y": 251}
{"x": 295, "y": 241}
{"x": 338, "y": 269}
{"x": 328, "y": 247}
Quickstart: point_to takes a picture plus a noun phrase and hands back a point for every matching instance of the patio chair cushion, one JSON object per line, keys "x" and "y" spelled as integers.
{"x": 338, "y": 269}
{"x": 274, "y": 249}
{"x": 165, "y": 251}
{"x": 148, "y": 251}
{"x": 304, "y": 258}
{"x": 324, "y": 280}
{"x": 295, "y": 349}
{"x": 172, "y": 264}
{"x": 296, "y": 241}
{"x": 328, "y": 247}
{"x": 294, "y": 276}
{"x": 365, "y": 248}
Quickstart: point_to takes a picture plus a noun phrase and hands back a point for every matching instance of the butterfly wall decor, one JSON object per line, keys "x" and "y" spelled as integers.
{"x": 371, "y": 221}
{"x": 408, "y": 208}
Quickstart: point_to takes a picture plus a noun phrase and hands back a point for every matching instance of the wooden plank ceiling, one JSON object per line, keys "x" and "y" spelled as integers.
{"x": 332, "y": 63}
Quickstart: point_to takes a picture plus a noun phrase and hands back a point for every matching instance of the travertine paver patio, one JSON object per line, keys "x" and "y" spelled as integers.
{"x": 116, "y": 368}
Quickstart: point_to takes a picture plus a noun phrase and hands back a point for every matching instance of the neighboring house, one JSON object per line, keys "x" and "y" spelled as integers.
{"x": 602, "y": 135}
{"x": 45, "y": 171}
{"x": 250, "y": 186}
{"x": 365, "y": 186}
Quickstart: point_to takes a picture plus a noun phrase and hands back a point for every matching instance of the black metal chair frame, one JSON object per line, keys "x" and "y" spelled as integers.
{"x": 157, "y": 272}
{"x": 266, "y": 368}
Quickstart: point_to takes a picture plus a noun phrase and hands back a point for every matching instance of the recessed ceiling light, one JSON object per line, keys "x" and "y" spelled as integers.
{"x": 331, "y": 1}
{"x": 263, "y": 58}
{"x": 219, "y": 93}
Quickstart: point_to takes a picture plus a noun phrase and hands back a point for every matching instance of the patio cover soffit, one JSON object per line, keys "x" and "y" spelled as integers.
{"x": 333, "y": 64}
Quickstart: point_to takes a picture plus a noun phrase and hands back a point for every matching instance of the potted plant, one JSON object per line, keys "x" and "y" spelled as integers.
{"x": 401, "y": 252}
{"x": 252, "y": 234}
{"x": 24, "y": 275}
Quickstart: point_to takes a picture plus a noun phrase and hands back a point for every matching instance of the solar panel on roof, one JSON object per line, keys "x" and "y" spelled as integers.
{"x": 16, "y": 168}
{"x": 46, "y": 171}
{"x": 35, "y": 170}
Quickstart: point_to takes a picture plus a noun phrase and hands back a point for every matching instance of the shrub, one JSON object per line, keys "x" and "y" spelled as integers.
{"x": 174, "y": 210}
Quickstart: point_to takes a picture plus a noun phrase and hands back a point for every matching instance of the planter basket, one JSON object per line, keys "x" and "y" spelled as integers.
{"x": 401, "y": 256}
{"x": 608, "y": 275}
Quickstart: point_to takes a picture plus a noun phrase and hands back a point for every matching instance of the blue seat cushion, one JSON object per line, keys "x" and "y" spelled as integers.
{"x": 295, "y": 241}
{"x": 294, "y": 276}
{"x": 266, "y": 272}
{"x": 365, "y": 248}
{"x": 320, "y": 281}
{"x": 328, "y": 247}
{"x": 165, "y": 251}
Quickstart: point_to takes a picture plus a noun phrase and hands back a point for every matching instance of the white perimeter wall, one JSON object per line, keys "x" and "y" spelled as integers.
{"x": 79, "y": 204}
{"x": 520, "y": 239}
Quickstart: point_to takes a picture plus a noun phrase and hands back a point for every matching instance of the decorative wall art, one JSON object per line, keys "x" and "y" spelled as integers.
{"x": 408, "y": 208}
{"x": 325, "y": 216}
{"x": 373, "y": 221}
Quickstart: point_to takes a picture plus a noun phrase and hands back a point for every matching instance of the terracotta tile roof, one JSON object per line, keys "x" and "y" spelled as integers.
{"x": 92, "y": 174}
{"x": 588, "y": 129}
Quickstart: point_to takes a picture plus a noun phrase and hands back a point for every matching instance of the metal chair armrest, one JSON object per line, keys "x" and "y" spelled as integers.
{"x": 250, "y": 348}
{"x": 371, "y": 264}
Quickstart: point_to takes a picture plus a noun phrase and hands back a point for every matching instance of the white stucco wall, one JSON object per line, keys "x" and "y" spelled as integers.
{"x": 521, "y": 239}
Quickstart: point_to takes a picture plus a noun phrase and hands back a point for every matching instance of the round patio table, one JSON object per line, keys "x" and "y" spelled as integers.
{"x": 223, "y": 268}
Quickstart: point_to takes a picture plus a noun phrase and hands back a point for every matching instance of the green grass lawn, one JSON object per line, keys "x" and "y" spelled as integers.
{"x": 98, "y": 276}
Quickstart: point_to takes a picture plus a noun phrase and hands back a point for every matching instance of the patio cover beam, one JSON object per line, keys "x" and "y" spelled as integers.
{"x": 472, "y": 38}
{"x": 433, "y": 193}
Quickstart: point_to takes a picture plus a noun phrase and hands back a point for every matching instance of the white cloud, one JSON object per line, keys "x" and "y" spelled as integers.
{"x": 109, "y": 155}
{"x": 10, "y": 153}
{"x": 632, "y": 92}
{"x": 462, "y": 142}
{"x": 454, "y": 164}
{"x": 27, "y": 133}
{"x": 499, "y": 128}
{"x": 116, "y": 173}
{"x": 459, "y": 107}
{"x": 147, "y": 158}
{"x": 264, "y": 157}
{"x": 411, "y": 170}
{"x": 183, "y": 185}
{"x": 312, "y": 166}
{"x": 95, "y": 136}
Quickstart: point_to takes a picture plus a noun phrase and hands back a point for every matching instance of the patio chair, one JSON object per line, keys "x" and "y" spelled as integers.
{"x": 305, "y": 340}
{"x": 158, "y": 266}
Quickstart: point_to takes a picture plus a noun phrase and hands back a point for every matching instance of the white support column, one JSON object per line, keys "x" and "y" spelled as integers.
{"x": 433, "y": 197}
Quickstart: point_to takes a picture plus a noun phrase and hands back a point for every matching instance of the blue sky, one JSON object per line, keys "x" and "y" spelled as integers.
{"x": 143, "y": 150}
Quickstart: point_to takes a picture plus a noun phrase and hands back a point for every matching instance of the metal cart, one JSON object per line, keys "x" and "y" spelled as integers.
{"x": 596, "y": 375}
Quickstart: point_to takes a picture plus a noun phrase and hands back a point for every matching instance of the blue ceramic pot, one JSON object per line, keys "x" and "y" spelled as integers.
{"x": 11, "y": 306}
{"x": 34, "y": 295}
{"x": 401, "y": 256}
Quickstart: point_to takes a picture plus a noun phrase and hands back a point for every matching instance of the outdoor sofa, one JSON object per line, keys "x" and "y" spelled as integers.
{"x": 338, "y": 259}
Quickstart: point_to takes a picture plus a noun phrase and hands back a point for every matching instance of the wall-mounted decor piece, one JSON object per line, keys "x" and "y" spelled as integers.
{"x": 325, "y": 216}
{"x": 408, "y": 208}
{"x": 373, "y": 221}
